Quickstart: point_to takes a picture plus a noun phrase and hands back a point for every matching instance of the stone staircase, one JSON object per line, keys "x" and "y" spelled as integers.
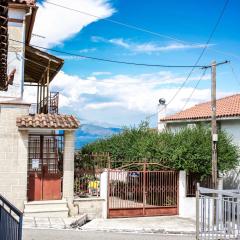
{"x": 53, "y": 208}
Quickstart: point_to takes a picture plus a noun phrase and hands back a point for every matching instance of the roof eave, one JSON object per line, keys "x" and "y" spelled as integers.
{"x": 200, "y": 119}
{"x": 45, "y": 129}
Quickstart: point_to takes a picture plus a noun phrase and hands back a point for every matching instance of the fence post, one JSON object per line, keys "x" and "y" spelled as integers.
{"x": 197, "y": 212}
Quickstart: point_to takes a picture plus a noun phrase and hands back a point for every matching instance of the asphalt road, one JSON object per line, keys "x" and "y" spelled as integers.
{"x": 29, "y": 234}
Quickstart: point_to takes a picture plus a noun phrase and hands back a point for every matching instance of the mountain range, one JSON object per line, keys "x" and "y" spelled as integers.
{"x": 88, "y": 133}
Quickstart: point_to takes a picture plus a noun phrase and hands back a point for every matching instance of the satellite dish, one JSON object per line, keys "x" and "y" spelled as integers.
{"x": 162, "y": 101}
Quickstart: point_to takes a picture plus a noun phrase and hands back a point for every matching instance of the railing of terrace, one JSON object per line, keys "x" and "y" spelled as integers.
{"x": 47, "y": 105}
{"x": 10, "y": 221}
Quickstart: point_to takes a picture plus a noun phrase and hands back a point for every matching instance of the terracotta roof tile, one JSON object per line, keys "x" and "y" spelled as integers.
{"x": 226, "y": 107}
{"x": 53, "y": 121}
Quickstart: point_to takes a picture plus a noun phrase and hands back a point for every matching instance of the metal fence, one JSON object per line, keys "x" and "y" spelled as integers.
{"x": 10, "y": 221}
{"x": 88, "y": 169}
{"x": 191, "y": 181}
{"x": 218, "y": 214}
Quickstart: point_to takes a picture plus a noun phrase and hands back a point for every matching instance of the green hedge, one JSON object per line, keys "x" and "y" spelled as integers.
{"x": 187, "y": 149}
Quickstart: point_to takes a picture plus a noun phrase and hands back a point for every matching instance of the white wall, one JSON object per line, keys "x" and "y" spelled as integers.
{"x": 187, "y": 205}
{"x": 232, "y": 127}
{"x": 104, "y": 193}
{"x": 16, "y": 32}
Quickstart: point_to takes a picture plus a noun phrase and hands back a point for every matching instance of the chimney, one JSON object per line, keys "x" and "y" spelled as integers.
{"x": 161, "y": 114}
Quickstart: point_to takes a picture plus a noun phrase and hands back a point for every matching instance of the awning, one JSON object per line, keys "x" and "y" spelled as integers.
{"x": 37, "y": 63}
{"x": 48, "y": 121}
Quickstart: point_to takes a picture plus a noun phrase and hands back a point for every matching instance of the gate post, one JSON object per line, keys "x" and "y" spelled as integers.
{"x": 197, "y": 212}
{"x": 104, "y": 192}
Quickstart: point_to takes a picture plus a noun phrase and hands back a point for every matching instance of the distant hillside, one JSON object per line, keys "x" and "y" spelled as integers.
{"x": 88, "y": 133}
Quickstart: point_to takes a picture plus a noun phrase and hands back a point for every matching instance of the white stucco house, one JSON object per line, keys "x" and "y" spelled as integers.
{"x": 228, "y": 119}
{"x": 36, "y": 158}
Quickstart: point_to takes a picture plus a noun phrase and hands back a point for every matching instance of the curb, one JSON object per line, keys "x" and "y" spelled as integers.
{"x": 144, "y": 230}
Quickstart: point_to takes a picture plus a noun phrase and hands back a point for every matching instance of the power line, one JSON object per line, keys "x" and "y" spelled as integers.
{"x": 200, "y": 56}
{"x": 113, "y": 61}
{"x": 204, "y": 49}
{"x": 194, "y": 89}
{"x": 234, "y": 74}
{"x": 141, "y": 29}
{"x": 202, "y": 52}
{"x": 117, "y": 22}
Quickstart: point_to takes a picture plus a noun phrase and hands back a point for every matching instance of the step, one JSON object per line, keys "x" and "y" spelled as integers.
{"x": 38, "y": 205}
{"x": 55, "y": 208}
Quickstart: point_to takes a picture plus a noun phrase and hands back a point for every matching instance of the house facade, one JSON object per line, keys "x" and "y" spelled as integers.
{"x": 228, "y": 119}
{"x": 36, "y": 141}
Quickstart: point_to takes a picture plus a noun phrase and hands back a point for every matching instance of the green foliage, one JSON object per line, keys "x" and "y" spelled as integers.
{"x": 188, "y": 148}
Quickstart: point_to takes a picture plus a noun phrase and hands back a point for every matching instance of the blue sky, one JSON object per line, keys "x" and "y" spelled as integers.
{"x": 114, "y": 94}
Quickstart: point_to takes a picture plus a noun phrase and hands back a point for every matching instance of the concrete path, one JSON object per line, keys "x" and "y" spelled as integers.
{"x": 35, "y": 234}
{"x": 168, "y": 224}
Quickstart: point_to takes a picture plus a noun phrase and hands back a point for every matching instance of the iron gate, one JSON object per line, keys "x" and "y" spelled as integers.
{"x": 45, "y": 164}
{"x": 218, "y": 214}
{"x": 142, "y": 193}
{"x": 10, "y": 221}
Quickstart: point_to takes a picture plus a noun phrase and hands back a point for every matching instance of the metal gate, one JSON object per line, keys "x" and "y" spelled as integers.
{"x": 218, "y": 214}
{"x": 142, "y": 193}
{"x": 45, "y": 163}
{"x": 10, "y": 221}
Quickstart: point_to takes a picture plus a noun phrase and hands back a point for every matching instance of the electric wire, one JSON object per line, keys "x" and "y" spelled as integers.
{"x": 200, "y": 56}
{"x": 234, "y": 74}
{"x": 141, "y": 29}
{"x": 194, "y": 89}
{"x": 111, "y": 60}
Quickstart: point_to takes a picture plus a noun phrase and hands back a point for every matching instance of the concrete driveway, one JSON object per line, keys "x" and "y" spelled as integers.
{"x": 35, "y": 234}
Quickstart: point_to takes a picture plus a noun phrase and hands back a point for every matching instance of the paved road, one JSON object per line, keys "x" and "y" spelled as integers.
{"x": 29, "y": 234}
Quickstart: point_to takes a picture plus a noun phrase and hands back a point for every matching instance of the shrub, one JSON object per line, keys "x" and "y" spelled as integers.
{"x": 187, "y": 149}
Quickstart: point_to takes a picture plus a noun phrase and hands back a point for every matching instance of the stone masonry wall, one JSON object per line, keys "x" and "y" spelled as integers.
{"x": 13, "y": 154}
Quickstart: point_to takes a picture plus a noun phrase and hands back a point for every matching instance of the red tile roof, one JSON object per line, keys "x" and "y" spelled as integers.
{"x": 53, "y": 121}
{"x": 28, "y": 2}
{"x": 226, "y": 108}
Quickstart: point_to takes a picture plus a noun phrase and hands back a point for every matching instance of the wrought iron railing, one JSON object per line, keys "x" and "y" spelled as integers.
{"x": 47, "y": 105}
{"x": 10, "y": 221}
{"x": 191, "y": 181}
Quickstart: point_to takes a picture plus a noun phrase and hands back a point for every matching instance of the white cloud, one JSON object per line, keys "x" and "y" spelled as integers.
{"x": 132, "y": 94}
{"x": 122, "y": 99}
{"x": 101, "y": 73}
{"x": 87, "y": 50}
{"x": 58, "y": 24}
{"x": 147, "y": 47}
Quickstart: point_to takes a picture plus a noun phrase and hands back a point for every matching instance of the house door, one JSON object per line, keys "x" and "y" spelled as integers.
{"x": 142, "y": 193}
{"x": 45, "y": 161}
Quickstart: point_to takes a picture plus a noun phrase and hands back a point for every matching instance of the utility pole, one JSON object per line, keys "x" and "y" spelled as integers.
{"x": 214, "y": 126}
{"x": 213, "y": 67}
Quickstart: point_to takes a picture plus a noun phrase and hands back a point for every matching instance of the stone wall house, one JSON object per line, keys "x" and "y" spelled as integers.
{"x": 36, "y": 141}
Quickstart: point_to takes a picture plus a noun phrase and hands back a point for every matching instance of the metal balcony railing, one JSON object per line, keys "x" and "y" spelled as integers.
{"x": 47, "y": 105}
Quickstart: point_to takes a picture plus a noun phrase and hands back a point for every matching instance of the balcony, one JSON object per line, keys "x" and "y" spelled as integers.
{"x": 47, "y": 105}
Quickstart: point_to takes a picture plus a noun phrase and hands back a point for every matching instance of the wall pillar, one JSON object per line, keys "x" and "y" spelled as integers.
{"x": 104, "y": 192}
{"x": 68, "y": 166}
{"x": 187, "y": 205}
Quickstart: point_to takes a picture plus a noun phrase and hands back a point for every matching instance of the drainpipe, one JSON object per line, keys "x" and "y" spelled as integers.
{"x": 23, "y": 50}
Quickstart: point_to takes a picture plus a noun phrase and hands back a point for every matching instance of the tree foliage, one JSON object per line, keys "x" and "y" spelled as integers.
{"x": 187, "y": 149}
